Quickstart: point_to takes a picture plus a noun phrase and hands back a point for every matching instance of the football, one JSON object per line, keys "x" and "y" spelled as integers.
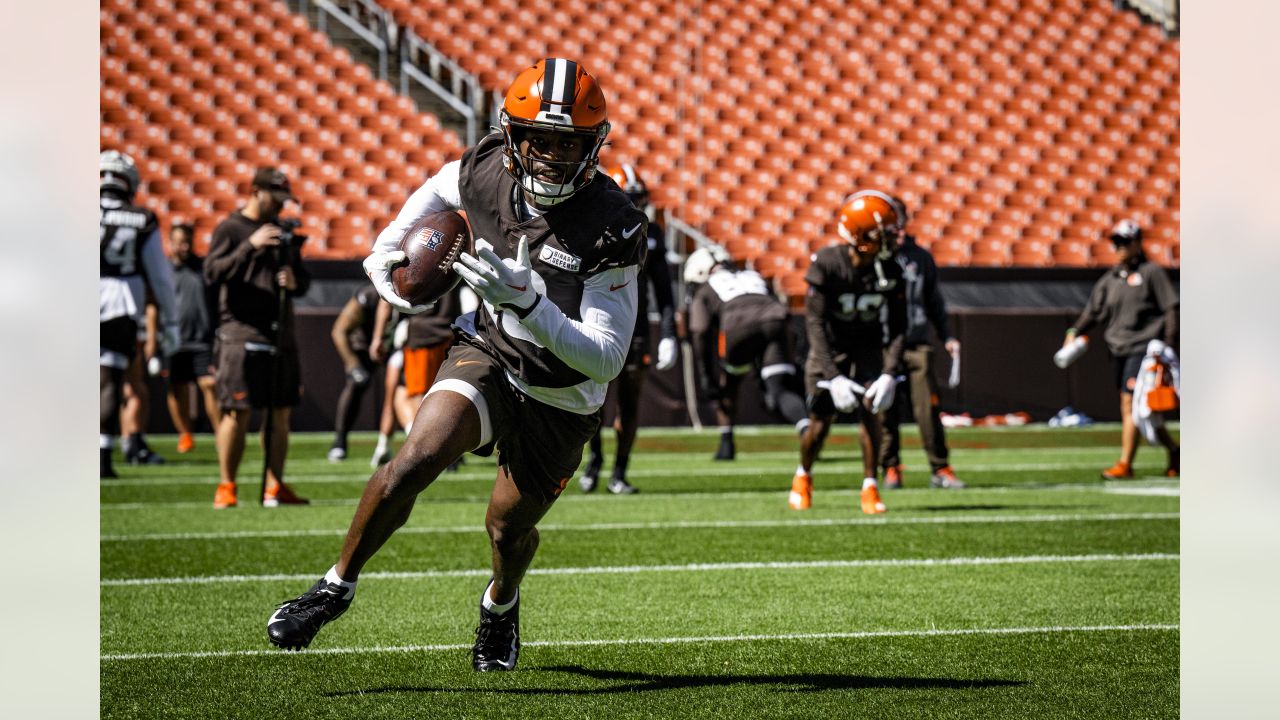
{"x": 431, "y": 246}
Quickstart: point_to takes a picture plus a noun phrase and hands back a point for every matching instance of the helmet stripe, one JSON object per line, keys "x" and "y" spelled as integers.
{"x": 558, "y": 80}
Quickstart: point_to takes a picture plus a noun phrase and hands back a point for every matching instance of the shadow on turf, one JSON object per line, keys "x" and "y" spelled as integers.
{"x": 643, "y": 682}
{"x": 988, "y": 506}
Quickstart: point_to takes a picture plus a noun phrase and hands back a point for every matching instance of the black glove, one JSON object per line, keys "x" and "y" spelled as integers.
{"x": 358, "y": 376}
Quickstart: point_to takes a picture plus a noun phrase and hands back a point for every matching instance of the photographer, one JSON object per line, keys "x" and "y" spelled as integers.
{"x": 254, "y": 263}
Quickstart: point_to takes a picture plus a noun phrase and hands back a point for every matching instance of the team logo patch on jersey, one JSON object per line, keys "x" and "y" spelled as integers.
{"x": 560, "y": 259}
{"x": 430, "y": 237}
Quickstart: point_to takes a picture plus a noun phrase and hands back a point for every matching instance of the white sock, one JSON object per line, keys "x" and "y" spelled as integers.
{"x": 383, "y": 439}
{"x": 801, "y": 471}
{"x": 868, "y": 482}
{"x": 106, "y": 442}
{"x": 333, "y": 578}
{"x": 407, "y": 428}
{"x": 486, "y": 601}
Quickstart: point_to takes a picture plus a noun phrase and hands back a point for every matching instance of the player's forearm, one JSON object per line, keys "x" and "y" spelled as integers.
{"x": 226, "y": 260}
{"x": 597, "y": 345}
{"x": 816, "y": 330}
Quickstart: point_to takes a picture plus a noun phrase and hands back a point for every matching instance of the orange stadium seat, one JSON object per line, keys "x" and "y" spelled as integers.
{"x": 994, "y": 106}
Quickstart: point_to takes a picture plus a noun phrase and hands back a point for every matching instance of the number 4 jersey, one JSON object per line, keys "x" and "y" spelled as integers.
{"x": 853, "y": 312}
{"x": 129, "y": 241}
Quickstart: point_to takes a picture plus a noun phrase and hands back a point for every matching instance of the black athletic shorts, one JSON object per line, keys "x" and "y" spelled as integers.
{"x": 190, "y": 365}
{"x": 864, "y": 370}
{"x": 244, "y": 377}
{"x": 759, "y": 344}
{"x": 541, "y": 446}
{"x": 1126, "y": 370}
{"x": 119, "y": 335}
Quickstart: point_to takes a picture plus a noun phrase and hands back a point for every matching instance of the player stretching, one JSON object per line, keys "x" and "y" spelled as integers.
{"x": 854, "y": 289}
{"x": 558, "y": 253}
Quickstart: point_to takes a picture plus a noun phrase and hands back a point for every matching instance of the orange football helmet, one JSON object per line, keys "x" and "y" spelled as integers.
{"x": 555, "y": 95}
{"x": 870, "y": 220}
{"x": 631, "y": 183}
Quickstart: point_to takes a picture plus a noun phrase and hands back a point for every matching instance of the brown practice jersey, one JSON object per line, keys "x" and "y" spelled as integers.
{"x": 852, "y": 312}
{"x": 435, "y": 325}
{"x": 595, "y": 230}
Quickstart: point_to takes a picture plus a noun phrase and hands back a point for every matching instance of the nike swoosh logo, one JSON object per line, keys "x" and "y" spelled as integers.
{"x": 619, "y": 287}
{"x": 626, "y": 234}
{"x": 460, "y": 363}
{"x": 517, "y": 288}
{"x": 275, "y": 618}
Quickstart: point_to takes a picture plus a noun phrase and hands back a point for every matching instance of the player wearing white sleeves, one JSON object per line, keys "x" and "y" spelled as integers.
{"x": 558, "y": 250}
{"x": 130, "y": 259}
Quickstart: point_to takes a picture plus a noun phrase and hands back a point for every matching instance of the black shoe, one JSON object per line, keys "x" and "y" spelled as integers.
{"x": 726, "y": 450}
{"x": 591, "y": 475}
{"x": 296, "y": 622}
{"x": 142, "y": 455}
{"x": 620, "y": 486}
{"x": 105, "y": 470}
{"x": 497, "y": 640}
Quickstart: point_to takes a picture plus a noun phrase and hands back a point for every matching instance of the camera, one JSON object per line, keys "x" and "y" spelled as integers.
{"x": 288, "y": 234}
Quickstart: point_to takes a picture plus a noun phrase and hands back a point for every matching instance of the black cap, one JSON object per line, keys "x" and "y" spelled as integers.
{"x": 274, "y": 181}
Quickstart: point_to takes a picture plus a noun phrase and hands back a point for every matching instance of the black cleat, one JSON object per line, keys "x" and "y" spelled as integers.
{"x": 296, "y": 622}
{"x": 105, "y": 470}
{"x": 497, "y": 640}
{"x": 591, "y": 475}
{"x": 142, "y": 455}
{"x": 726, "y": 450}
{"x": 620, "y": 486}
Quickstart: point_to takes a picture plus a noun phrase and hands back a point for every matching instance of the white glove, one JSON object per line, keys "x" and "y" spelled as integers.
{"x": 170, "y": 339}
{"x": 400, "y": 335}
{"x": 844, "y": 392}
{"x": 1071, "y": 352}
{"x": 378, "y": 267}
{"x": 880, "y": 394}
{"x": 502, "y": 283}
{"x": 155, "y": 366}
{"x": 953, "y": 349}
{"x": 667, "y": 350}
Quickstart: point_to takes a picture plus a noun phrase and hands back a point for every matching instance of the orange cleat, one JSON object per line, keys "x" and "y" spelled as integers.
{"x": 281, "y": 494}
{"x": 1119, "y": 471}
{"x": 871, "y": 502}
{"x": 186, "y": 443}
{"x": 893, "y": 476}
{"x": 801, "y": 491}
{"x": 225, "y": 497}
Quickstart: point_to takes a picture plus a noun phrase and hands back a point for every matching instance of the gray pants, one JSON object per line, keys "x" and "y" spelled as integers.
{"x": 923, "y": 394}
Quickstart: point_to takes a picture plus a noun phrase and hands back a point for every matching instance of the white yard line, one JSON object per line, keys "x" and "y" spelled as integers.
{"x": 668, "y": 525}
{"x": 1153, "y": 481}
{"x": 859, "y": 635}
{"x": 691, "y": 567}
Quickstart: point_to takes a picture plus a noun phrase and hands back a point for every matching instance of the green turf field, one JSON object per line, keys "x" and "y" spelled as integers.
{"x": 1040, "y": 591}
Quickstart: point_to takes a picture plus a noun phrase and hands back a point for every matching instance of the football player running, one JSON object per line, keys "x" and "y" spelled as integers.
{"x": 129, "y": 249}
{"x": 737, "y": 326}
{"x": 629, "y": 384}
{"x": 855, "y": 293}
{"x": 558, "y": 250}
